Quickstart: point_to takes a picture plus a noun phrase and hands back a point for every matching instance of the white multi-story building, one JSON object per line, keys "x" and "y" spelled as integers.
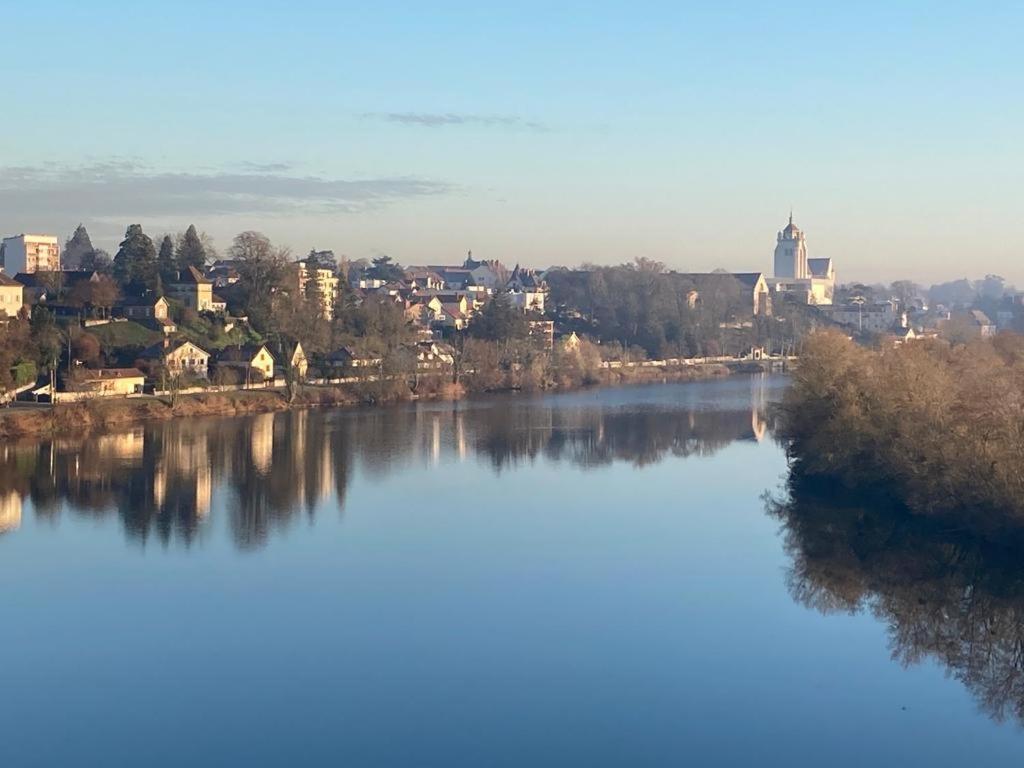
{"x": 326, "y": 282}
{"x": 810, "y": 280}
{"x": 791, "y": 253}
{"x": 25, "y": 254}
{"x": 876, "y": 317}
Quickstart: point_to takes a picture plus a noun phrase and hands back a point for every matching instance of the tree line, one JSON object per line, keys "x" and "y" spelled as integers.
{"x": 937, "y": 426}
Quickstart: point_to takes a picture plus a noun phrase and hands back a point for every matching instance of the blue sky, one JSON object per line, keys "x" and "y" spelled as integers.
{"x": 587, "y": 132}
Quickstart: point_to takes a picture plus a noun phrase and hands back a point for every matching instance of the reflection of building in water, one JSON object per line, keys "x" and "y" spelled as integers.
{"x": 10, "y": 511}
{"x": 461, "y": 444}
{"x": 261, "y": 442}
{"x": 160, "y": 480}
{"x": 758, "y": 425}
{"x": 182, "y": 468}
{"x": 204, "y": 490}
{"x": 126, "y": 446}
{"x": 326, "y": 473}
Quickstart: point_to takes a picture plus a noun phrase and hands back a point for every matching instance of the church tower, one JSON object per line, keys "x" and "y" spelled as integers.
{"x": 791, "y": 253}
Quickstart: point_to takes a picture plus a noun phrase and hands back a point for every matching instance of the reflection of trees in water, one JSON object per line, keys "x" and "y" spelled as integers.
{"x": 593, "y": 437}
{"x": 161, "y": 479}
{"x": 942, "y": 593}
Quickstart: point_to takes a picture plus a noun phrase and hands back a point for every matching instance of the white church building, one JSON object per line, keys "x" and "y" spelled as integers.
{"x": 812, "y": 281}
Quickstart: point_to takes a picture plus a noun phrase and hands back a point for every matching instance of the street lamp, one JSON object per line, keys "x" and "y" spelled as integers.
{"x": 859, "y": 301}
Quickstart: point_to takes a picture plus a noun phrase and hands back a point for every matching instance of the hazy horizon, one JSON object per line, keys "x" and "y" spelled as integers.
{"x": 535, "y": 135}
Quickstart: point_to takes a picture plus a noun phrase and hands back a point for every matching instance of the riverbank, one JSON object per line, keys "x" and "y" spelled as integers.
{"x": 107, "y": 413}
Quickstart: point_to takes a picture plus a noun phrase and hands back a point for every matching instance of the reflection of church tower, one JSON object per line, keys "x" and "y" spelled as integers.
{"x": 791, "y": 253}
{"x": 261, "y": 442}
{"x": 10, "y": 511}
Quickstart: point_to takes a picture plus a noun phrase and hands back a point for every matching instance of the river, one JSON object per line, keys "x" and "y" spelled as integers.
{"x": 607, "y": 577}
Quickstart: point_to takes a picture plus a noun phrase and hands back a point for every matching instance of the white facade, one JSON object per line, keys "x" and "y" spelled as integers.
{"x": 30, "y": 253}
{"x": 875, "y": 318}
{"x": 791, "y": 253}
{"x": 808, "y": 280}
{"x": 326, "y": 281}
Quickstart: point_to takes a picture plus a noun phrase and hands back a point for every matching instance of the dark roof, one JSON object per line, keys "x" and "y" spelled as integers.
{"x": 192, "y": 275}
{"x": 746, "y": 279}
{"x": 749, "y": 279}
{"x": 819, "y": 267}
{"x": 242, "y": 354}
{"x": 9, "y": 282}
{"x": 44, "y": 279}
{"x": 139, "y": 301}
{"x": 525, "y": 277}
{"x": 444, "y": 295}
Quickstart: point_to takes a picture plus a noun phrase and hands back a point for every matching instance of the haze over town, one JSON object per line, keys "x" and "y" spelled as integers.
{"x": 528, "y": 134}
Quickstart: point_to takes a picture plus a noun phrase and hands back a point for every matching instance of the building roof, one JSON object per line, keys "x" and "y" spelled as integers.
{"x": 454, "y": 311}
{"x": 421, "y": 273}
{"x": 348, "y": 353}
{"x": 9, "y": 282}
{"x": 158, "y": 350}
{"x": 192, "y": 275}
{"x": 47, "y": 278}
{"x": 746, "y": 279}
{"x": 819, "y": 267}
{"x": 979, "y": 317}
{"x": 140, "y": 301}
{"x": 444, "y": 295}
{"x": 112, "y": 373}
{"x": 527, "y": 278}
{"x": 244, "y": 353}
{"x": 791, "y": 229}
{"x": 29, "y": 235}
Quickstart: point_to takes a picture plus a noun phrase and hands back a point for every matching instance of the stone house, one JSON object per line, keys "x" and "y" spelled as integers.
{"x": 111, "y": 381}
{"x": 179, "y": 357}
{"x": 12, "y": 296}
{"x": 193, "y": 289}
{"x": 252, "y": 361}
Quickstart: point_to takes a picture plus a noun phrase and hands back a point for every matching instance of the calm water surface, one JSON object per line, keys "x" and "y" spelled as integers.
{"x": 586, "y": 579}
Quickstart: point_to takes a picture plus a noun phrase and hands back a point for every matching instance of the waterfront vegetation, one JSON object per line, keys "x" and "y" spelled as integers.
{"x": 937, "y": 427}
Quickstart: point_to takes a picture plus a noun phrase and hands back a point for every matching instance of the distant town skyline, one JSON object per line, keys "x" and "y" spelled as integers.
{"x": 529, "y": 134}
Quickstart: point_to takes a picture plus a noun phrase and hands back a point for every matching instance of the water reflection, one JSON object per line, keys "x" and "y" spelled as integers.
{"x": 943, "y": 594}
{"x": 163, "y": 480}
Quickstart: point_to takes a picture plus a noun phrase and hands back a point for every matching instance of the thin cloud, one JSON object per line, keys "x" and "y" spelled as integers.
{"x": 123, "y": 189}
{"x": 441, "y": 119}
{"x": 250, "y": 167}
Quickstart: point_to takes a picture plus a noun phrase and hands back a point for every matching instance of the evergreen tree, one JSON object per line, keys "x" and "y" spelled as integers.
{"x": 499, "y": 320}
{"x": 77, "y": 248}
{"x": 96, "y": 259}
{"x": 191, "y": 250}
{"x": 167, "y": 265}
{"x": 385, "y": 269}
{"x": 135, "y": 264}
{"x": 322, "y": 260}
